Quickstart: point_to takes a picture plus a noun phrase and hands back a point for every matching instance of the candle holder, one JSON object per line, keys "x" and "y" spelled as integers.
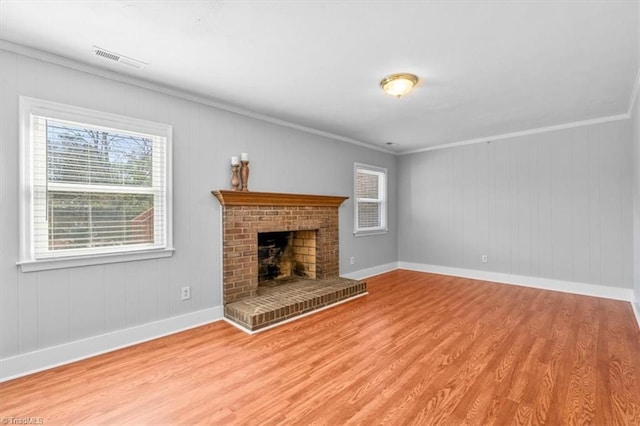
{"x": 235, "y": 177}
{"x": 244, "y": 175}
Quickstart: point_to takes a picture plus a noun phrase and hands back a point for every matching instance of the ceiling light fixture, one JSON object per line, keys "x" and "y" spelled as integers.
{"x": 398, "y": 84}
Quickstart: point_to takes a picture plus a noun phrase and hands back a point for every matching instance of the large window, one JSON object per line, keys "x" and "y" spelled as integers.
{"x": 95, "y": 187}
{"x": 370, "y": 199}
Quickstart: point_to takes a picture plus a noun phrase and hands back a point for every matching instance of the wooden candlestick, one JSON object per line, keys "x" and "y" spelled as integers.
{"x": 244, "y": 175}
{"x": 235, "y": 178}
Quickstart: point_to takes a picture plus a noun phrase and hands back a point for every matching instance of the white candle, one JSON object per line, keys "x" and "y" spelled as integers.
{"x": 235, "y": 161}
{"x": 245, "y": 156}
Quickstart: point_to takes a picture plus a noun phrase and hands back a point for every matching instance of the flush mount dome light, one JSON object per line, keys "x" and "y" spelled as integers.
{"x": 398, "y": 84}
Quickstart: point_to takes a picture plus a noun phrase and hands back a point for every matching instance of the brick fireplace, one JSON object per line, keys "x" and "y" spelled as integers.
{"x": 312, "y": 221}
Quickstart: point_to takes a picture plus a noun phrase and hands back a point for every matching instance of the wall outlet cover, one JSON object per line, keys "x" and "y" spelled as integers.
{"x": 186, "y": 293}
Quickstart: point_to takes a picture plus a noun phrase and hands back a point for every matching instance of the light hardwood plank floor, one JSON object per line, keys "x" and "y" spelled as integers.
{"x": 419, "y": 349}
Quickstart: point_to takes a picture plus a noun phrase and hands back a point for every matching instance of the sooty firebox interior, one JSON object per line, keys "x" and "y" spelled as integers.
{"x": 282, "y": 256}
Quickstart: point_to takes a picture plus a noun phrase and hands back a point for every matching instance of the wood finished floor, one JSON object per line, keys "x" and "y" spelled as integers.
{"x": 419, "y": 349}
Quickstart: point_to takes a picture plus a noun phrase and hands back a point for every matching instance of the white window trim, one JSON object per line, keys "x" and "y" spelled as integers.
{"x": 31, "y": 106}
{"x": 370, "y": 231}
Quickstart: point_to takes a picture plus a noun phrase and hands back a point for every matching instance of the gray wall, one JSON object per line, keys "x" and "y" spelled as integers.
{"x": 553, "y": 205}
{"x": 42, "y": 309}
{"x": 635, "y": 119}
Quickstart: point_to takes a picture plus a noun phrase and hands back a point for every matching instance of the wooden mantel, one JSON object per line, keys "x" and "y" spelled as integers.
{"x": 248, "y": 198}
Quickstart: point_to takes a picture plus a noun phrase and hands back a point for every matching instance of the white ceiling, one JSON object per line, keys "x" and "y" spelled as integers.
{"x": 486, "y": 68}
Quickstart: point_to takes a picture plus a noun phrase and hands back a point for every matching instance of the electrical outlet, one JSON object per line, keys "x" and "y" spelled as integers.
{"x": 485, "y": 258}
{"x": 186, "y": 293}
{"x": 352, "y": 260}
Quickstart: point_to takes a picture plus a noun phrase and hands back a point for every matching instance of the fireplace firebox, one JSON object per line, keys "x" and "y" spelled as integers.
{"x": 285, "y": 255}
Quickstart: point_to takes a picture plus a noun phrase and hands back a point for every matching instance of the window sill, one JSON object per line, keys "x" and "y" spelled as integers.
{"x": 98, "y": 259}
{"x": 367, "y": 233}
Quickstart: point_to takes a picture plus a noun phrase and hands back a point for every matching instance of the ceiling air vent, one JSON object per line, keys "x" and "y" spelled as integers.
{"x": 112, "y": 56}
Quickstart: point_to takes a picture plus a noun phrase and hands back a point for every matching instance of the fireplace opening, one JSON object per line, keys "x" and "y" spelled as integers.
{"x": 284, "y": 256}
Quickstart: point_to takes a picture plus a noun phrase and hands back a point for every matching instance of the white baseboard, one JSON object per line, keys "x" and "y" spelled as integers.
{"x": 369, "y": 272}
{"x": 43, "y": 359}
{"x": 617, "y": 293}
{"x": 635, "y": 304}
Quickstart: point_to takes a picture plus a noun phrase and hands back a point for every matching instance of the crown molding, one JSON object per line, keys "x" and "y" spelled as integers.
{"x": 172, "y": 91}
{"x": 522, "y": 133}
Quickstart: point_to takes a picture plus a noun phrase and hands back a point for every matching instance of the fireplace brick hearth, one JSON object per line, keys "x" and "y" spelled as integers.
{"x": 245, "y": 214}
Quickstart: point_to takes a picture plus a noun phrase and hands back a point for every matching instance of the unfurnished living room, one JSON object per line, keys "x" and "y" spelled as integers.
{"x": 319, "y": 212}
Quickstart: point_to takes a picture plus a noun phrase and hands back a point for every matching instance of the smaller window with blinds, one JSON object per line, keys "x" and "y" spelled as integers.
{"x": 95, "y": 187}
{"x": 370, "y": 188}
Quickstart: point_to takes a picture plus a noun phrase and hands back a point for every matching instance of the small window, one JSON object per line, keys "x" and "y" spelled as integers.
{"x": 370, "y": 199}
{"x": 95, "y": 187}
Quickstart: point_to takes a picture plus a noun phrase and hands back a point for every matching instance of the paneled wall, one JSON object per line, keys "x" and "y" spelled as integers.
{"x": 635, "y": 120}
{"x": 554, "y": 205}
{"x": 43, "y": 309}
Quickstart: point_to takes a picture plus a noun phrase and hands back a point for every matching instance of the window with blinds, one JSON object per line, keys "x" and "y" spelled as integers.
{"x": 97, "y": 183}
{"x": 370, "y": 188}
